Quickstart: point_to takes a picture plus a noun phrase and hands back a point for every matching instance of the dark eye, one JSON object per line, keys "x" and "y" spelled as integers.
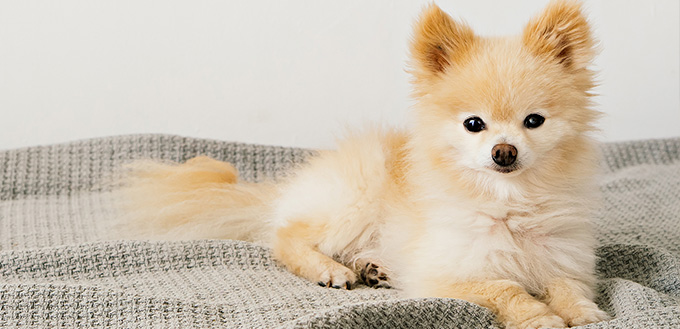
{"x": 533, "y": 121}
{"x": 474, "y": 124}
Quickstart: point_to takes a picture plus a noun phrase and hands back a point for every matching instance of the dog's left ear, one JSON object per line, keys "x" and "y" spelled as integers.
{"x": 561, "y": 34}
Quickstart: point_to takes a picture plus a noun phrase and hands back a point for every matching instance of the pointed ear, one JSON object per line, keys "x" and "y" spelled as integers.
{"x": 438, "y": 42}
{"x": 561, "y": 34}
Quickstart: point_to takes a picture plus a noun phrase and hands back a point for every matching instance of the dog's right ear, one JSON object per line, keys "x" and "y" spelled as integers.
{"x": 438, "y": 42}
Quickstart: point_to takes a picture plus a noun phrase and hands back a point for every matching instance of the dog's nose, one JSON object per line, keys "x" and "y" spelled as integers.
{"x": 504, "y": 154}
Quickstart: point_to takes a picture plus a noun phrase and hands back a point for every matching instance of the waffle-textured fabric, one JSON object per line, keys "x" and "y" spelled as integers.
{"x": 58, "y": 270}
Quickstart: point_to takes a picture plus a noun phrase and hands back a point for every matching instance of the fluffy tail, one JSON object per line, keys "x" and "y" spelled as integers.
{"x": 199, "y": 199}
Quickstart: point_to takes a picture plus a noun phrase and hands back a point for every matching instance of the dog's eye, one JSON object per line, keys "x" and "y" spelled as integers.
{"x": 533, "y": 121}
{"x": 474, "y": 124}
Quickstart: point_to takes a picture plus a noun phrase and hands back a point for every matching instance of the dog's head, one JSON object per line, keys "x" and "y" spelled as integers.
{"x": 504, "y": 106}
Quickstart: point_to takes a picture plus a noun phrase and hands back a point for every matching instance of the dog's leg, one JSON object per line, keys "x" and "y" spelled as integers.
{"x": 372, "y": 273}
{"x": 572, "y": 300}
{"x": 295, "y": 247}
{"x": 512, "y": 304}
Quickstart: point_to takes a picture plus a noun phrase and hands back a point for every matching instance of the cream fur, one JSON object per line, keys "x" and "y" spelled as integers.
{"x": 427, "y": 204}
{"x": 198, "y": 199}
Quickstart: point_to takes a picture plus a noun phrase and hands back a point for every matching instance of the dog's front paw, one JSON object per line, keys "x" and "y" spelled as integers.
{"x": 543, "y": 321}
{"x": 534, "y": 316}
{"x": 337, "y": 276}
{"x": 374, "y": 276}
{"x": 582, "y": 314}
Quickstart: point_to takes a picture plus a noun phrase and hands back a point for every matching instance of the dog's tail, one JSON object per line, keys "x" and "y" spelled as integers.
{"x": 199, "y": 199}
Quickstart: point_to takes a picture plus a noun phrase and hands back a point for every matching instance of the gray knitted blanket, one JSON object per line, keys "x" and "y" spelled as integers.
{"x": 58, "y": 270}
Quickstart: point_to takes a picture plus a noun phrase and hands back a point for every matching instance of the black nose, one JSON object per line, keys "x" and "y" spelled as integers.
{"x": 504, "y": 154}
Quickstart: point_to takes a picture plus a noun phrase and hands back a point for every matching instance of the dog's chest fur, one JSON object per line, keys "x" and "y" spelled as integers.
{"x": 469, "y": 242}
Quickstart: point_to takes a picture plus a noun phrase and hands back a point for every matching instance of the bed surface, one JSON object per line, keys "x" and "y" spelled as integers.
{"x": 58, "y": 268}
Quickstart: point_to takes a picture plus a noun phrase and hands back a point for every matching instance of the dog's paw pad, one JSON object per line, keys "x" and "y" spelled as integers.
{"x": 375, "y": 276}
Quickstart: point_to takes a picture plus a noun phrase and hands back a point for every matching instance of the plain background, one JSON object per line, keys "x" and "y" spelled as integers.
{"x": 290, "y": 73}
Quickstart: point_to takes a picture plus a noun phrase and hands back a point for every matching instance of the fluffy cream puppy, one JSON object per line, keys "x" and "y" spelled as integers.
{"x": 488, "y": 197}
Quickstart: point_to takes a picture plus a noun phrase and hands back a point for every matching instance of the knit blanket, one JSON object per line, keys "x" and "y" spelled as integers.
{"x": 58, "y": 269}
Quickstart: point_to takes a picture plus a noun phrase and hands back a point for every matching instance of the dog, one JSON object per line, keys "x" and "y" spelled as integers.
{"x": 487, "y": 197}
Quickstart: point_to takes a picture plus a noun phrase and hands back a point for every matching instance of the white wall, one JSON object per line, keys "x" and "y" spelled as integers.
{"x": 282, "y": 72}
